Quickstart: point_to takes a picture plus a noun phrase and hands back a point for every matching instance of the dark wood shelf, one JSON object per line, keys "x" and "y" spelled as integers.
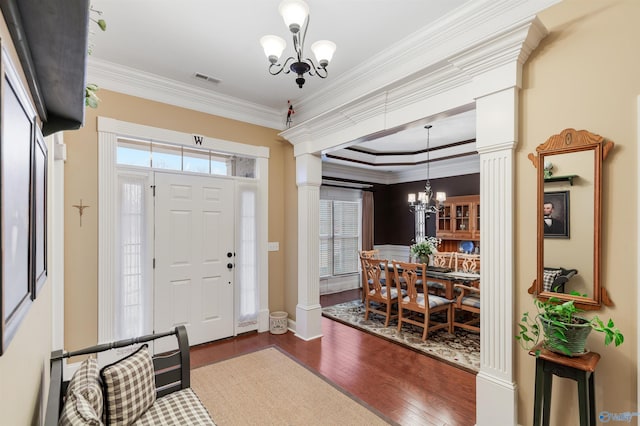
{"x": 568, "y": 178}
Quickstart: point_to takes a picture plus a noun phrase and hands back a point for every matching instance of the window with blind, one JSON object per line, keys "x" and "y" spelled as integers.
{"x": 339, "y": 237}
{"x": 133, "y": 294}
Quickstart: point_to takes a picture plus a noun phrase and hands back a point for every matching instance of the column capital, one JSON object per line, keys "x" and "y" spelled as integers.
{"x": 308, "y": 170}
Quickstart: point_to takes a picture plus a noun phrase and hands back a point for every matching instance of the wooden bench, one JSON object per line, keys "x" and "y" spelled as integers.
{"x": 171, "y": 370}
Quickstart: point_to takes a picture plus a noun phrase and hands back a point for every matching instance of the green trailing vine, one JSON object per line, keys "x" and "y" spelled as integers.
{"x": 90, "y": 98}
{"x": 558, "y": 315}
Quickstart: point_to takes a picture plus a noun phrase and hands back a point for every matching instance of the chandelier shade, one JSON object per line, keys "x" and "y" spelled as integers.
{"x": 273, "y": 47}
{"x": 323, "y": 50}
{"x": 295, "y": 14}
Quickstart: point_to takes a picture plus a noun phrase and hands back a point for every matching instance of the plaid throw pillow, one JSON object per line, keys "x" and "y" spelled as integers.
{"x": 86, "y": 382}
{"x": 77, "y": 411}
{"x": 548, "y": 277}
{"x": 129, "y": 387}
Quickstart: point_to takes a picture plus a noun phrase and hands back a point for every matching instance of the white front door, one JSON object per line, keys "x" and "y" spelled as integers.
{"x": 194, "y": 246}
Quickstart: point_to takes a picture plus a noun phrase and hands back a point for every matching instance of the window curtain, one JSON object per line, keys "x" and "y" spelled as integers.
{"x": 367, "y": 220}
{"x": 247, "y": 254}
{"x": 132, "y": 299}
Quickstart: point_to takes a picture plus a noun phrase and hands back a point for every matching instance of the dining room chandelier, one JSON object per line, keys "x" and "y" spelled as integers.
{"x": 296, "y": 17}
{"x": 424, "y": 202}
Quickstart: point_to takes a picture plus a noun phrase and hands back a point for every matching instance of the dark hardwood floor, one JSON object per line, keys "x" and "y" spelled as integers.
{"x": 408, "y": 387}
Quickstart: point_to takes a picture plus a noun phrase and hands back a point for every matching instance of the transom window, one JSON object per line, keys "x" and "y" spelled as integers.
{"x": 163, "y": 156}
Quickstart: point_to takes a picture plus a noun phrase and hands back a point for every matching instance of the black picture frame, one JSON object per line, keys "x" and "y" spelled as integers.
{"x": 556, "y": 223}
{"x": 38, "y": 251}
{"x": 17, "y": 134}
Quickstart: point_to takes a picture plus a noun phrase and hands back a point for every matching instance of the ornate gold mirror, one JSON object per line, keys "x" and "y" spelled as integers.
{"x": 569, "y": 176}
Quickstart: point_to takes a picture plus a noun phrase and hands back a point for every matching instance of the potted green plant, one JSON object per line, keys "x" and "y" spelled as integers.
{"x": 563, "y": 331}
{"x": 423, "y": 249}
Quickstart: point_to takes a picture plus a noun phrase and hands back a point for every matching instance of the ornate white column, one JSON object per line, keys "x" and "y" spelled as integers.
{"x": 496, "y": 397}
{"x": 308, "y": 310}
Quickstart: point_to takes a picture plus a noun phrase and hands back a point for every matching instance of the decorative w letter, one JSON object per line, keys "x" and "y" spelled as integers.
{"x": 198, "y": 139}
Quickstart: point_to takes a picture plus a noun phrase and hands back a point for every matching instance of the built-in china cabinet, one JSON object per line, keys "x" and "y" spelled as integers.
{"x": 458, "y": 222}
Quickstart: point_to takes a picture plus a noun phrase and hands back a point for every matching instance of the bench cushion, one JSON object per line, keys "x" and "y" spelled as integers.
{"x": 177, "y": 408}
{"x": 548, "y": 277}
{"x": 86, "y": 382}
{"x": 78, "y": 411}
{"x": 129, "y": 387}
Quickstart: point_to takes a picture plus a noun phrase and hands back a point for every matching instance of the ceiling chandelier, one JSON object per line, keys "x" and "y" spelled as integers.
{"x": 424, "y": 201}
{"x": 296, "y": 17}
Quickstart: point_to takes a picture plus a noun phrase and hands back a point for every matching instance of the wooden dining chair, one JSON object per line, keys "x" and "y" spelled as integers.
{"x": 466, "y": 308}
{"x": 378, "y": 289}
{"x": 367, "y": 254}
{"x": 441, "y": 259}
{"x": 418, "y": 304}
{"x": 469, "y": 263}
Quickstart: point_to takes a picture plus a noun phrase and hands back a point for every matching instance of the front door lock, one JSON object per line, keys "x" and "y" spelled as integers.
{"x": 230, "y": 265}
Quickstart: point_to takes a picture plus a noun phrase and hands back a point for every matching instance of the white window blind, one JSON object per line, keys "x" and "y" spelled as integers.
{"x": 132, "y": 289}
{"x": 339, "y": 237}
{"x": 326, "y": 241}
{"x": 247, "y": 259}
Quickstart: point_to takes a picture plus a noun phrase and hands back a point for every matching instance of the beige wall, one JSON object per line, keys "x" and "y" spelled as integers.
{"x": 24, "y": 367}
{"x": 585, "y": 75}
{"x": 81, "y": 183}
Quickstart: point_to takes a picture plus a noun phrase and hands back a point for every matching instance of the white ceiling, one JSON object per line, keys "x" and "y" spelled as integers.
{"x": 169, "y": 40}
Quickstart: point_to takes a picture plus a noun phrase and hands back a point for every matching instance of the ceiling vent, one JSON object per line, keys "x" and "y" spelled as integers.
{"x": 204, "y": 77}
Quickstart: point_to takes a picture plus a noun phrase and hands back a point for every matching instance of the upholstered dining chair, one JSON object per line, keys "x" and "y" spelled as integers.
{"x": 441, "y": 259}
{"x": 467, "y": 304}
{"x": 418, "y": 304}
{"x": 367, "y": 254}
{"x": 469, "y": 263}
{"x": 379, "y": 290}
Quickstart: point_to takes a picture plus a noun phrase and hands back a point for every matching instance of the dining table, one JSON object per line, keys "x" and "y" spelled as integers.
{"x": 448, "y": 278}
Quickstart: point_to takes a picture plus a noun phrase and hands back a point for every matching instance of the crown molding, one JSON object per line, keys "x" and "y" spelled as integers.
{"x": 487, "y": 65}
{"x": 446, "y": 168}
{"x": 380, "y": 111}
{"x": 334, "y": 170}
{"x": 442, "y": 169}
{"x": 408, "y": 159}
{"x": 138, "y": 83}
{"x": 483, "y": 21}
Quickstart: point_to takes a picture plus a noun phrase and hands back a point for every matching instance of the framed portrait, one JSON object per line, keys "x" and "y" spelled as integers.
{"x": 39, "y": 214}
{"x": 555, "y": 211}
{"x": 17, "y": 133}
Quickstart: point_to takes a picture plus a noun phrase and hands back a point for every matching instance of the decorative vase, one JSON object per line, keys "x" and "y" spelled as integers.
{"x": 576, "y": 335}
{"x": 426, "y": 259}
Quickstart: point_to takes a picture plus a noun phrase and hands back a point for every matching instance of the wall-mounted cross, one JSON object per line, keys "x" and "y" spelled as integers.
{"x": 80, "y": 208}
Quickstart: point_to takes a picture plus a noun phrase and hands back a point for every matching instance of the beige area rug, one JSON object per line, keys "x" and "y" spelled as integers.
{"x": 461, "y": 349}
{"x": 269, "y": 388}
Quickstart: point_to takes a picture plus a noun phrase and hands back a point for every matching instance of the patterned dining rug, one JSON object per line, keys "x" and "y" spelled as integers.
{"x": 268, "y": 387}
{"x": 461, "y": 349}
